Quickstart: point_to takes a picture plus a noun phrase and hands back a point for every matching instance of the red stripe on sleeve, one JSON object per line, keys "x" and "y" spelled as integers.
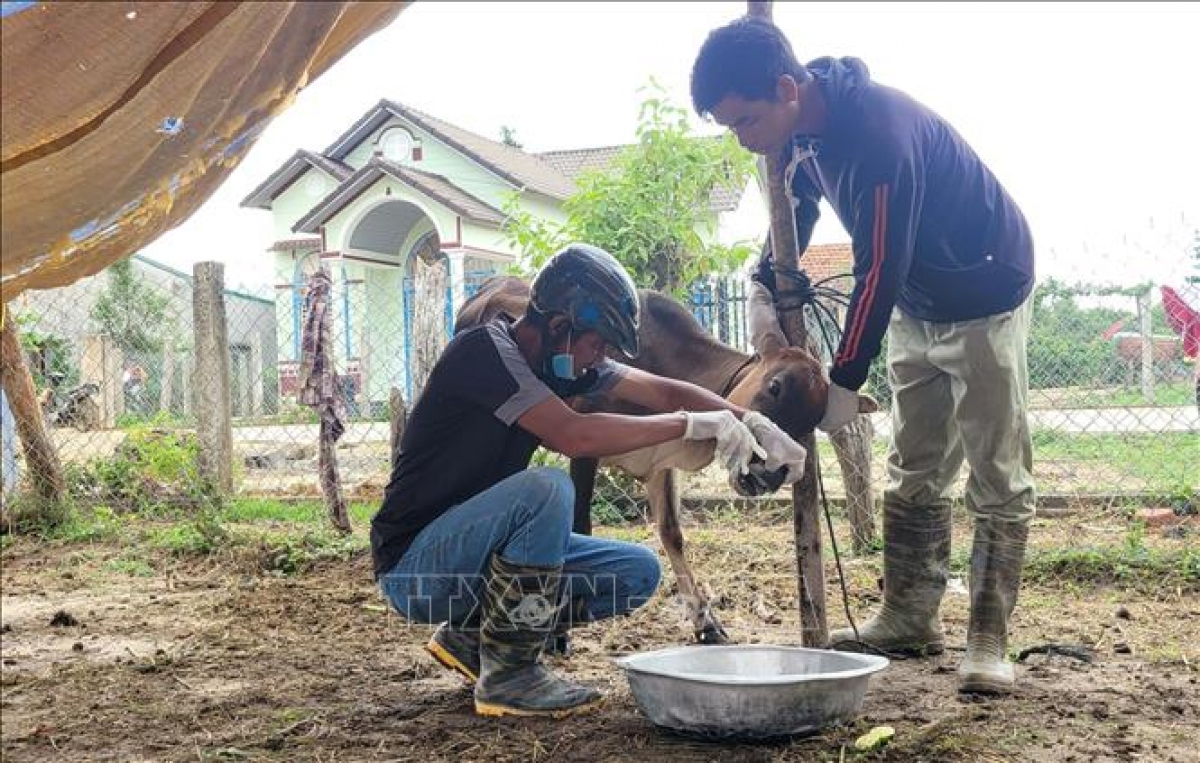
{"x": 879, "y": 251}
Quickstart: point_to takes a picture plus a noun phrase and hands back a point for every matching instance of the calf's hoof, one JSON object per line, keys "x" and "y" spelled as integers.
{"x": 712, "y": 633}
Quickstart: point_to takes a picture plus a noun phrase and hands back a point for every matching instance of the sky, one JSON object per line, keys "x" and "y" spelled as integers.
{"x": 1087, "y": 112}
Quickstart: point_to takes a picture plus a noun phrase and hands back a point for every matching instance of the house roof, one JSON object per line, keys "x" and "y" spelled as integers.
{"x": 434, "y": 186}
{"x": 573, "y": 162}
{"x": 262, "y": 196}
{"x": 823, "y": 261}
{"x": 287, "y": 244}
{"x": 511, "y": 164}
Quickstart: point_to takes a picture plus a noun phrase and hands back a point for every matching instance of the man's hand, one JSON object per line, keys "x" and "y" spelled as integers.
{"x": 840, "y": 410}
{"x": 781, "y": 449}
{"x": 735, "y": 444}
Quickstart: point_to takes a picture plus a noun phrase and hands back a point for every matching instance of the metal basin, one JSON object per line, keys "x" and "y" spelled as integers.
{"x": 748, "y": 692}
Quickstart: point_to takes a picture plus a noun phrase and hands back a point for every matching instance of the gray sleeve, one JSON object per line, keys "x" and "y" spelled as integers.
{"x": 530, "y": 390}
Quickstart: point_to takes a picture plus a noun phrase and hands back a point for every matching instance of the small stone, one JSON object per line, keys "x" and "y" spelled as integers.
{"x": 1122, "y": 613}
{"x": 1120, "y": 647}
{"x": 63, "y": 619}
{"x": 1157, "y": 517}
{"x": 77, "y": 646}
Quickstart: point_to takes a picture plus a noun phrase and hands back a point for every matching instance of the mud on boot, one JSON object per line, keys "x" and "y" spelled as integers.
{"x": 894, "y": 633}
{"x": 916, "y": 560}
{"x": 518, "y": 616}
{"x": 456, "y": 649}
{"x": 996, "y": 561}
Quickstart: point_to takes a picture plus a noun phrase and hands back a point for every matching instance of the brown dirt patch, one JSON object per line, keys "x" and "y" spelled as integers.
{"x": 213, "y": 659}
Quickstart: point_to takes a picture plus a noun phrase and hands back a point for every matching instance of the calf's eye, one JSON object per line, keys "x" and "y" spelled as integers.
{"x": 774, "y": 388}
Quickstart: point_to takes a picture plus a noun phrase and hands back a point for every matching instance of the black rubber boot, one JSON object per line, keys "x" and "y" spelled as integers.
{"x": 572, "y": 613}
{"x": 996, "y": 560}
{"x": 457, "y": 649}
{"x": 519, "y": 611}
{"x": 916, "y": 560}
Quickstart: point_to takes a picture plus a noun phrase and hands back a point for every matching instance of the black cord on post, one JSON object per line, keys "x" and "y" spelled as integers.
{"x": 802, "y": 293}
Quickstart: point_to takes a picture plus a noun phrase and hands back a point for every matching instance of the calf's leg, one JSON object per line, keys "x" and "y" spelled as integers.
{"x": 583, "y": 474}
{"x": 662, "y": 492}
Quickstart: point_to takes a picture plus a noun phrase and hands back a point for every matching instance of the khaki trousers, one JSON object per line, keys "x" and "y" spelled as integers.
{"x": 961, "y": 390}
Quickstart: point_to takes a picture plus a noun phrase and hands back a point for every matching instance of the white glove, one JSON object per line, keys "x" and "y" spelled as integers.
{"x": 781, "y": 449}
{"x": 735, "y": 445}
{"x": 840, "y": 410}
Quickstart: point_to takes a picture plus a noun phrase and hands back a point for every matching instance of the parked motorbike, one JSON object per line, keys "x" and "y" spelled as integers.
{"x": 77, "y": 407}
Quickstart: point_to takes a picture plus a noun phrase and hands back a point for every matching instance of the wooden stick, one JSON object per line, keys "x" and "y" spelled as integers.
{"x": 814, "y": 628}
{"x": 45, "y": 471}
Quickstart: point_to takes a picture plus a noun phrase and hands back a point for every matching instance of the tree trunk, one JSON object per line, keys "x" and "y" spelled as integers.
{"x": 814, "y": 629}
{"x": 41, "y": 460}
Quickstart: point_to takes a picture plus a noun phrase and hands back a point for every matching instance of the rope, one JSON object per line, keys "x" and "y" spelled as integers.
{"x": 729, "y": 385}
{"x": 820, "y": 299}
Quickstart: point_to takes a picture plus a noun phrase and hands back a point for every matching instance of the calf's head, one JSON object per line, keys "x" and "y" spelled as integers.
{"x": 788, "y": 384}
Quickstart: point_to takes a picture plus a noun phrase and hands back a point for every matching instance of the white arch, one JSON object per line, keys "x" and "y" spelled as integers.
{"x": 352, "y": 226}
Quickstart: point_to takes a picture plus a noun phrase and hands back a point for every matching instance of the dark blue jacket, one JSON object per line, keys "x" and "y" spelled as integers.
{"x": 934, "y": 233}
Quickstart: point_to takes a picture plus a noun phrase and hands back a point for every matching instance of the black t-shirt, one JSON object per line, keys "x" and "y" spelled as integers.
{"x": 462, "y": 437}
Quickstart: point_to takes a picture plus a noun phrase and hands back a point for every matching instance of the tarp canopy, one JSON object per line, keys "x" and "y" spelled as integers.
{"x": 120, "y": 119}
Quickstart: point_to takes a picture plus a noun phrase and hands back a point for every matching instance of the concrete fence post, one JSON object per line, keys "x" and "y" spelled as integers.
{"x": 1145, "y": 329}
{"x": 103, "y": 364}
{"x": 210, "y": 376}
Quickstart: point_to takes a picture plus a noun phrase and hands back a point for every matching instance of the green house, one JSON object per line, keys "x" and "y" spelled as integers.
{"x": 404, "y": 211}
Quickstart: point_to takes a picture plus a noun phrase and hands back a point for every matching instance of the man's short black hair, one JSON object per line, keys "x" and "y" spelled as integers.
{"x": 744, "y": 58}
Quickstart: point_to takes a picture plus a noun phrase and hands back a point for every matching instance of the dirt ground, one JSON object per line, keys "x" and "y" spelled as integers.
{"x": 212, "y": 658}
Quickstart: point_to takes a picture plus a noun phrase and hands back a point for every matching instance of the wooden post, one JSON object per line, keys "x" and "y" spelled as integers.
{"x": 166, "y": 390}
{"x": 41, "y": 460}
{"x": 103, "y": 364}
{"x": 814, "y": 628}
{"x": 210, "y": 376}
{"x": 852, "y": 444}
{"x": 331, "y": 481}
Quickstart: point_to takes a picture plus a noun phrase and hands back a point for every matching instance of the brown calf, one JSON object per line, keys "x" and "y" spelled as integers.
{"x": 784, "y": 383}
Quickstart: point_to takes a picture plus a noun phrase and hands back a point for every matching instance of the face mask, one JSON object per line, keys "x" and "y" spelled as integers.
{"x": 562, "y": 364}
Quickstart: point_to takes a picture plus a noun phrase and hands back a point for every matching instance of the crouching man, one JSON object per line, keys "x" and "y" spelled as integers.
{"x": 470, "y": 537}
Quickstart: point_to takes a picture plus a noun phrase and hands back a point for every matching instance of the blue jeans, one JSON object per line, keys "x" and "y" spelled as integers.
{"x": 525, "y": 519}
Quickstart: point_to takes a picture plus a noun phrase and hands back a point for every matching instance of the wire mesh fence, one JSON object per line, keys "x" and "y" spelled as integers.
{"x": 1114, "y": 401}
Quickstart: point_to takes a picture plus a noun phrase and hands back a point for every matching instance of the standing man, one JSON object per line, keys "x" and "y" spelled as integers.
{"x": 943, "y": 260}
{"x": 465, "y": 520}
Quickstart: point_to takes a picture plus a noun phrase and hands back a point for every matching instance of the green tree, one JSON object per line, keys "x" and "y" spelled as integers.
{"x": 132, "y": 313}
{"x": 508, "y": 136}
{"x": 49, "y": 354}
{"x": 1066, "y": 341}
{"x": 650, "y": 209}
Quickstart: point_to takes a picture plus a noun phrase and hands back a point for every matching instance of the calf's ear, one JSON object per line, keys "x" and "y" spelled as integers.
{"x": 766, "y": 335}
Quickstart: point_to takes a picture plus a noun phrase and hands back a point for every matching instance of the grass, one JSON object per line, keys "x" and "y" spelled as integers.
{"x": 1180, "y": 393}
{"x": 253, "y": 510}
{"x": 1167, "y": 461}
{"x": 130, "y": 566}
{"x": 1150, "y": 568}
